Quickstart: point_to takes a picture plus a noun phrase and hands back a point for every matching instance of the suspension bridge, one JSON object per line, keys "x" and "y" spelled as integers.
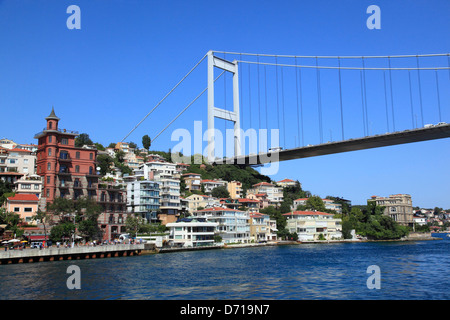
{"x": 300, "y": 103}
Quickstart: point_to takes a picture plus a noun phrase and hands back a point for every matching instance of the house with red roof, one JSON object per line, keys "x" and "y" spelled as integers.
{"x": 25, "y": 205}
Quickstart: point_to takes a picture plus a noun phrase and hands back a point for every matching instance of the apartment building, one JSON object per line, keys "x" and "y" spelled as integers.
{"x": 398, "y": 207}
{"x": 67, "y": 171}
{"x": 29, "y": 184}
{"x": 273, "y": 192}
{"x": 192, "y": 232}
{"x": 169, "y": 183}
{"x": 113, "y": 199}
{"x": 210, "y": 185}
{"x": 143, "y": 198}
{"x": 192, "y": 181}
{"x": 15, "y": 162}
{"x": 260, "y": 228}
{"x": 313, "y": 225}
{"x": 196, "y": 201}
{"x": 235, "y": 189}
{"x": 232, "y": 225}
{"x": 287, "y": 183}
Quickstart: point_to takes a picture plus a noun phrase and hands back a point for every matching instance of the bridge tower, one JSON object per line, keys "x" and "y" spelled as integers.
{"x": 214, "y": 112}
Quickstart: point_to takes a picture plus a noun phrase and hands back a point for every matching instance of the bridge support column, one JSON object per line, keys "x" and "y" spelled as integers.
{"x": 214, "y": 112}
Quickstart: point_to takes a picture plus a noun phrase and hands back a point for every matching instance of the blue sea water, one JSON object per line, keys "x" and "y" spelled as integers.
{"x": 413, "y": 270}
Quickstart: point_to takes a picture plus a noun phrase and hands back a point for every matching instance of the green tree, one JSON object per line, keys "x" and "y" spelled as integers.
{"x": 315, "y": 203}
{"x": 83, "y": 139}
{"x": 220, "y": 192}
{"x": 104, "y": 162}
{"x": 134, "y": 224}
{"x": 146, "y": 142}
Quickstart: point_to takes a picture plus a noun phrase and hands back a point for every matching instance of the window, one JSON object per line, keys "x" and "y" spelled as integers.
{"x": 91, "y": 156}
{"x": 48, "y": 192}
{"x": 50, "y": 125}
{"x": 50, "y": 137}
{"x": 64, "y": 141}
{"x": 77, "y": 168}
{"x": 26, "y": 186}
{"x": 49, "y": 151}
{"x": 77, "y": 155}
{"x": 49, "y": 166}
{"x": 64, "y": 155}
{"x": 48, "y": 179}
{"x": 25, "y": 161}
{"x": 28, "y": 210}
{"x": 16, "y": 209}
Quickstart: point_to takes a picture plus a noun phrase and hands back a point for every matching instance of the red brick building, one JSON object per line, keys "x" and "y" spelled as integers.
{"x": 70, "y": 172}
{"x": 67, "y": 171}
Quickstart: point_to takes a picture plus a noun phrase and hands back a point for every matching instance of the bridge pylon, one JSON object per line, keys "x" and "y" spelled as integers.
{"x": 214, "y": 112}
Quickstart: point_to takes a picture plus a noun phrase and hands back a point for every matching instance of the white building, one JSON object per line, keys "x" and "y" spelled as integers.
{"x": 232, "y": 225}
{"x": 166, "y": 173}
{"x": 274, "y": 193}
{"x": 310, "y": 225}
{"x": 210, "y": 185}
{"x": 143, "y": 198}
{"x": 192, "y": 232}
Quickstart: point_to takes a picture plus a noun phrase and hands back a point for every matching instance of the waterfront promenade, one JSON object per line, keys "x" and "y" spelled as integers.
{"x": 78, "y": 252}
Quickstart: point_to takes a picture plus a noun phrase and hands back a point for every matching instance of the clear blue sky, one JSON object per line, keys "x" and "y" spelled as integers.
{"x": 104, "y": 78}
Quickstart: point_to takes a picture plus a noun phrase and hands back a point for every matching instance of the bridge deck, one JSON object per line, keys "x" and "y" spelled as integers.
{"x": 376, "y": 141}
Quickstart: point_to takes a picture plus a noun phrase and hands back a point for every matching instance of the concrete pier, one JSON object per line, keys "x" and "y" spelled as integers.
{"x": 76, "y": 253}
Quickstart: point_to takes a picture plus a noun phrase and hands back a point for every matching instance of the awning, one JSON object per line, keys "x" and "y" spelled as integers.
{"x": 37, "y": 238}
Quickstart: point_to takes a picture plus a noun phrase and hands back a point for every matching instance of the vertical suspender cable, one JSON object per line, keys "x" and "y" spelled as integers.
{"x": 301, "y": 105}
{"x": 365, "y": 98}
{"x": 298, "y": 104}
{"x": 385, "y": 101}
{"x": 225, "y": 94}
{"x": 362, "y": 101}
{"x": 241, "y": 107}
{"x": 249, "y": 97}
{"x": 265, "y": 89}
{"x": 340, "y": 97}
{"x": 411, "y": 99}
{"x": 438, "y": 98}
{"x": 392, "y": 95}
{"x": 259, "y": 100}
{"x": 278, "y": 105}
{"x": 319, "y": 101}
{"x": 420, "y": 90}
{"x": 282, "y": 108}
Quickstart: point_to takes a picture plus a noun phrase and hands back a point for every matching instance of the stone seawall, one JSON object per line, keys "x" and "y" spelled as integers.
{"x": 82, "y": 252}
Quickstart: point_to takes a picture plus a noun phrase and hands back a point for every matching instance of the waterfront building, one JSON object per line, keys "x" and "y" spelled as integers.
{"x": 143, "y": 198}
{"x": 67, "y": 171}
{"x": 260, "y": 228}
{"x": 113, "y": 199}
{"x": 397, "y": 206}
{"x": 235, "y": 189}
{"x": 192, "y": 181}
{"x": 25, "y": 205}
{"x": 192, "y": 232}
{"x": 273, "y": 192}
{"x": 232, "y": 225}
{"x": 210, "y": 185}
{"x": 310, "y": 225}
